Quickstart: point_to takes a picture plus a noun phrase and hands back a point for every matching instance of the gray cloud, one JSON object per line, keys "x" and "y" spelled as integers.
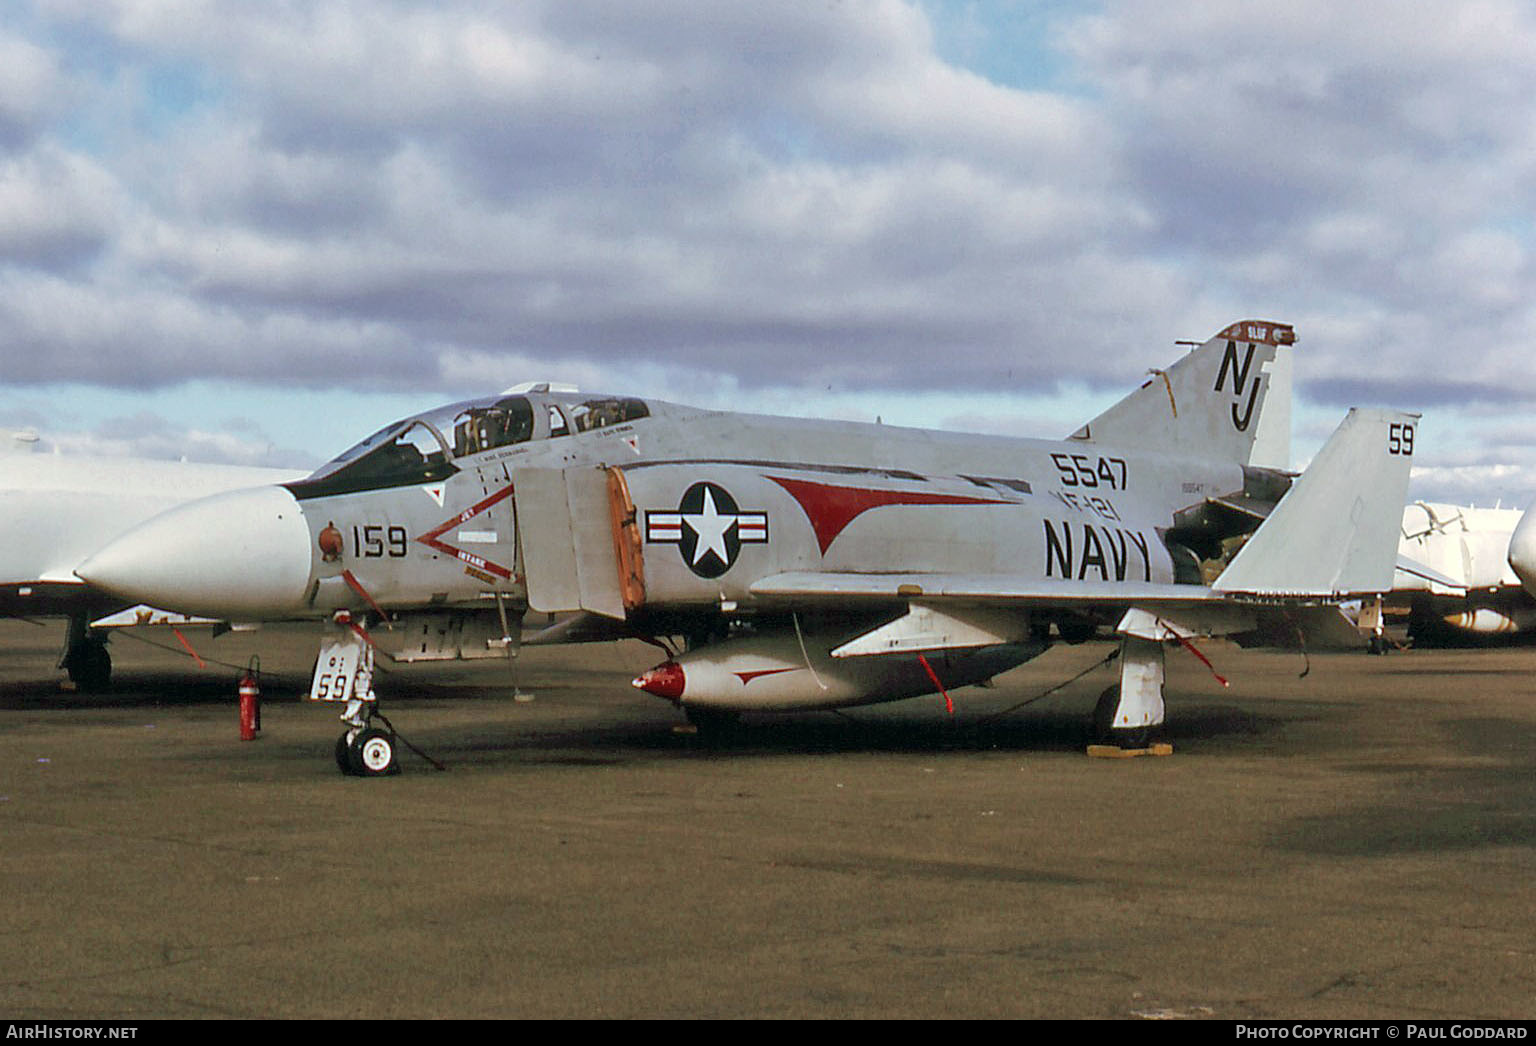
{"x": 789, "y": 198}
{"x": 58, "y": 210}
{"x": 413, "y": 195}
{"x": 32, "y": 89}
{"x": 1370, "y": 165}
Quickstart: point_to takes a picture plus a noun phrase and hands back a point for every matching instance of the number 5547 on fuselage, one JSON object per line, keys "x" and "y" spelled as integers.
{"x": 815, "y": 564}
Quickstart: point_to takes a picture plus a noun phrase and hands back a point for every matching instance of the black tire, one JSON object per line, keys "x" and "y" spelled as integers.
{"x": 1104, "y": 715}
{"x": 1140, "y": 737}
{"x": 344, "y": 756}
{"x": 372, "y": 753}
{"x": 89, "y": 666}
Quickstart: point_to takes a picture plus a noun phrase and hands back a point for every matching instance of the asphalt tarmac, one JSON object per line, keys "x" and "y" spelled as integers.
{"x": 1358, "y": 843}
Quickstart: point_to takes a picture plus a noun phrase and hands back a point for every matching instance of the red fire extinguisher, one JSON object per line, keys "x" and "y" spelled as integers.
{"x": 250, "y": 701}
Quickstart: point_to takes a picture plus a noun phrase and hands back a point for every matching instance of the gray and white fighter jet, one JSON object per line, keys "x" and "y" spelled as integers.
{"x": 806, "y": 564}
{"x": 56, "y": 509}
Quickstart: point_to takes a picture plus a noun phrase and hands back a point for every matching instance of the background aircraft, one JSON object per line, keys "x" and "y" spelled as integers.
{"x": 55, "y": 510}
{"x": 1455, "y": 582}
{"x": 1522, "y": 550}
{"x": 806, "y": 564}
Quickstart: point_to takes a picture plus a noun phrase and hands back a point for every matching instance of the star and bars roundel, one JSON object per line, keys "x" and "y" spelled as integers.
{"x": 708, "y": 528}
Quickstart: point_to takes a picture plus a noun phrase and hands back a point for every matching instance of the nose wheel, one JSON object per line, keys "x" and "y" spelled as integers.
{"x": 367, "y": 752}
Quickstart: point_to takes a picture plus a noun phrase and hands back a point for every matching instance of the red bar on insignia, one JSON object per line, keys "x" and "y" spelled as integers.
{"x": 664, "y": 527}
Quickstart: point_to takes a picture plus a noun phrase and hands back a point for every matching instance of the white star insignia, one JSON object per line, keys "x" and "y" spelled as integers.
{"x": 711, "y": 528}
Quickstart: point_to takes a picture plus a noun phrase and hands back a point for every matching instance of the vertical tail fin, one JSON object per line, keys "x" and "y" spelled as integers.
{"x": 1229, "y": 398}
{"x": 1336, "y": 531}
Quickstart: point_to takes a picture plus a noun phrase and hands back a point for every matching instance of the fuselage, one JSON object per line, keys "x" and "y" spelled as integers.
{"x": 425, "y": 513}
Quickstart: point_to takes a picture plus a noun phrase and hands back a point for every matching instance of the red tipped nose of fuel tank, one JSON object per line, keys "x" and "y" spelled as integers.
{"x": 665, "y": 680}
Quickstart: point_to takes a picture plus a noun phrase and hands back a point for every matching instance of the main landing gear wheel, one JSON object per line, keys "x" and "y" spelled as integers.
{"x": 89, "y": 665}
{"x": 1104, "y": 715}
{"x": 370, "y": 754}
{"x": 1104, "y": 732}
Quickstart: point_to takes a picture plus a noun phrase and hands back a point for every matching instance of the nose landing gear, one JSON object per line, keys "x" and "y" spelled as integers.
{"x": 367, "y": 752}
{"x": 370, "y": 747}
{"x": 344, "y": 672}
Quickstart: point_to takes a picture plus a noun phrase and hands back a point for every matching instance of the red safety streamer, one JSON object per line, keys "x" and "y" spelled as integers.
{"x": 344, "y": 617}
{"x": 188, "y": 647}
{"x": 1203, "y": 660}
{"x": 949, "y": 705}
{"x": 357, "y": 586}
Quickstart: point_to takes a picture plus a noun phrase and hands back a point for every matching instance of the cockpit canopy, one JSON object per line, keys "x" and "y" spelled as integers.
{"x": 479, "y": 428}
{"x": 430, "y": 447}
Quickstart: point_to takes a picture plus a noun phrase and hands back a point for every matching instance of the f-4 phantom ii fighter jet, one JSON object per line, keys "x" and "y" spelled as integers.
{"x": 807, "y": 564}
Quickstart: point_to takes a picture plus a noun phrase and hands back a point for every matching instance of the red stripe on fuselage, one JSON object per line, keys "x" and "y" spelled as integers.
{"x": 831, "y": 508}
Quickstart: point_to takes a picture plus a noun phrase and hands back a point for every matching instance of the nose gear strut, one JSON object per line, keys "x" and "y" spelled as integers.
{"x": 344, "y": 673}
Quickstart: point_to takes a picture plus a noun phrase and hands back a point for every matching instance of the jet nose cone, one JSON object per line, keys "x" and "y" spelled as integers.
{"x": 1522, "y": 550}
{"x": 245, "y": 553}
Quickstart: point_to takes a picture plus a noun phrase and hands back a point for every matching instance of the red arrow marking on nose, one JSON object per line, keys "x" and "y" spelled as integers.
{"x": 433, "y": 537}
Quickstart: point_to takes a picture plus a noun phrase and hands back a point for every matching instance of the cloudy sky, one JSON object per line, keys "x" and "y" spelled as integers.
{"x": 256, "y": 232}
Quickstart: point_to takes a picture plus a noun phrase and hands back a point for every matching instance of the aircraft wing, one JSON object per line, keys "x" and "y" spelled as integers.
{"x": 142, "y": 615}
{"x": 966, "y": 612}
{"x": 991, "y": 589}
{"x": 1414, "y": 575}
{"x": 956, "y": 612}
